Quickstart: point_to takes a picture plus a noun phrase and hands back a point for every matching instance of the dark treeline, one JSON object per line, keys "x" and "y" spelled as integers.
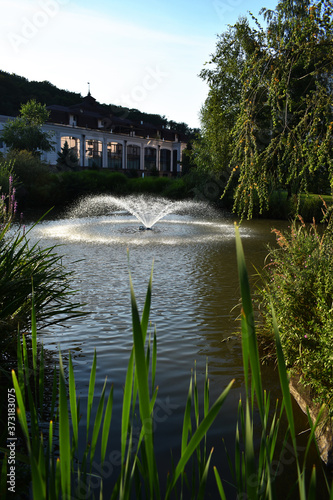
{"x": 16, "y": 90}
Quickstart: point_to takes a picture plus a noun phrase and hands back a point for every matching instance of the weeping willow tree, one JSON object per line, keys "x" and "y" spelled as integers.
{"x": 213, "y": 151}
{"x": 282, "y": 134}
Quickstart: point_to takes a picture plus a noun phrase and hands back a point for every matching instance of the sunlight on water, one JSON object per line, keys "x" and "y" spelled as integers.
{"x": 97, "y": 219}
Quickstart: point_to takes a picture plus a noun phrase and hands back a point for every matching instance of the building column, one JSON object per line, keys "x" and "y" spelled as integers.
{"x": 124, "y": 155}
{"x": 83, "y": 150}
{"x": 158, "y": 158}
{"x": 142, "y": 157}
{"x": 104, "y": 153}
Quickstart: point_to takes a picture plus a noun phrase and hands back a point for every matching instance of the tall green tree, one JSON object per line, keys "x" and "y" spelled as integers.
{"x": 25, "y": 132}
{"x": 67, "y": 157}
{"x": 213, "y": 151}
{"x": 283, "y": 128}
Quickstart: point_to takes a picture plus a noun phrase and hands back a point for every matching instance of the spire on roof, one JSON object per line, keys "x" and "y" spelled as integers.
{"x": 89, "y": 88}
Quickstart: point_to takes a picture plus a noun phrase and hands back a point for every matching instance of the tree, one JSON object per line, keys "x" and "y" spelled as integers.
{"x": 213, "y": 151}
{"x": 67, "y": 157}
{"x": 283, "y": 129}
{"x": 25, "y": 132}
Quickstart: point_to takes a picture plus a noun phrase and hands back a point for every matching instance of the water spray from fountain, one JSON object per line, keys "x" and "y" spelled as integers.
{"x": 138, "y": 220}
{"x": 147, "y": 210}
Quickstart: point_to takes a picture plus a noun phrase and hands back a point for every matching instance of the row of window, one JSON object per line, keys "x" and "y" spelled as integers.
{"x": 94, "y": 150}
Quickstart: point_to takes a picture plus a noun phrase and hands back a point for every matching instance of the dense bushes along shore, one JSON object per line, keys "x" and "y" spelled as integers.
{"x": 37, "y": 187}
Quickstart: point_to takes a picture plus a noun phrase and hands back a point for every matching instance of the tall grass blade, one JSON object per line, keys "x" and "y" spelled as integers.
{"x": 187, "y": 427}
{"x": 91, "y": 391}
{"x": 143, "y": 388}
{"x": 97, "y": 423}
{"x": 33, "y": 333}
{"x": 126, "y": 405}
{"x": 203, "y": 481}
{"x": 106, "y": 425}
{"x": 21, "y": 410}
{"x": 251, "y": 474}
{"x": 312, "y": 486}
{"x": 73, "y": 405}
{"x": 219, "y": 485}
{"x": 38, "y": 484}
{"x": 41, "y": 380}
{"x": 146, "y": 308}
{"x": 248, "y": 324}
{"x": 20, "y": 372}
{"x": 198, "y": 436}
{"x": 154, "y": 362}
{"x": 64, "y": 436}
{"x": 284, "y": 380}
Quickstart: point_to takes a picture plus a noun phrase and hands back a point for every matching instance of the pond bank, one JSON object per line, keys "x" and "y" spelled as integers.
{"x": 324, "y": 432}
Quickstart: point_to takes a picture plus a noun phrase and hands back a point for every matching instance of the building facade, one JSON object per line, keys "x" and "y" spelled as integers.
{"x": 103, "y": 140}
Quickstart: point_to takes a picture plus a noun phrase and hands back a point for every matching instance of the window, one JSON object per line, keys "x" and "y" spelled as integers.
{"x": 133, "y": 157}
{"x": 150, "y": 158}
{"x": 165, "y": 160}
{"x": 115, "y": 155}
{"x": 94, "y": 149}
{"x": 73, "y": 143}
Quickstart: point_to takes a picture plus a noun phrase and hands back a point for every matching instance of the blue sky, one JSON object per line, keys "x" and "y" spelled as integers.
{"x": 145, "y": 55}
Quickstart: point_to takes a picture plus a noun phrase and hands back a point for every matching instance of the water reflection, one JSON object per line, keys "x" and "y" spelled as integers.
{"x": 195, "y": 287}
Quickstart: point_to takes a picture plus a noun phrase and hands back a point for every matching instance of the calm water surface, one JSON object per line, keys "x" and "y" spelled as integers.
{"x": 195, "y": 288}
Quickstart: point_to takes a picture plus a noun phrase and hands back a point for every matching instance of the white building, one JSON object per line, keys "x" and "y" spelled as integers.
{"x": 103, "y": 140}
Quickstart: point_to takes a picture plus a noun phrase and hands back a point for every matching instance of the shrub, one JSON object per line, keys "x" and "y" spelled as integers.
{"x": 22, "y": 264}
{"x": 298, "y": 282}
{"x": 149, "y": 185}
{"x": 28, "y": 168}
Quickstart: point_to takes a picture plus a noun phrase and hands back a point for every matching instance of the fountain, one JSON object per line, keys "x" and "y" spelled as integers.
{"x": 146, "y": 210}
{"x": 139, "y": 220}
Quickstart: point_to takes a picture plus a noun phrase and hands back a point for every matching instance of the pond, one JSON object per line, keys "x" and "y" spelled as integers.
{"x": 195, "y": 291}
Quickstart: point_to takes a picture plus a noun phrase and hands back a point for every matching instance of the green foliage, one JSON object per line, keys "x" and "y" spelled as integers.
{"x": 6, "y": 171}
{"x": 213, "y": 150}
{"x": 20, "y": 263}
{"x": 298, "y": 281}
{"x": 67, "y": 157}
{"x": 151, "y": 184}
{"x": 16, "y": 89}
{"x": 36, "y": 185}
{"x": 28, "y": 169}
{"x": 75, "y": 184}
{"x": 282, "y": 136}
{"x": 256, "y": 475}
{"x": 25, "y": 133}
{"x": 59, "y": 466}
{"x": 7, "y": 202}
{"x": 34, "y": 113}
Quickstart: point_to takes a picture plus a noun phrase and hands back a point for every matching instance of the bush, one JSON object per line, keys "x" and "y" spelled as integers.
{"x": 28, "y": 168}
{"x": 23, "y": 265}
{"x": 149, "y": 185}
{"x": 298, "y": 281}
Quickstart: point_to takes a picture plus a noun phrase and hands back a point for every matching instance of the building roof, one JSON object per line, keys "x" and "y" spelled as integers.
{"x": 90, "y": 114}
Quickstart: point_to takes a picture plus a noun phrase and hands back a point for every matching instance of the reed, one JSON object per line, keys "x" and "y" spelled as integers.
{"x": 60, "y": 470}
{"x": 255, "y": 474}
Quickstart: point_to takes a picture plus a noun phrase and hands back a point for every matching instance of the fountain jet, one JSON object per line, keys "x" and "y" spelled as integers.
{"x": 148, "y": 211}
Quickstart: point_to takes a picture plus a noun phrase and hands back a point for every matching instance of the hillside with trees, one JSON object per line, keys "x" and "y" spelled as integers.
{"x": 16, "y": 90}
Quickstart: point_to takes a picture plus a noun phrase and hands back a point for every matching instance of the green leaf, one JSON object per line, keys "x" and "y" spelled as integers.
{"x": 91, "y": 391}
{"x": 106, "y": 425}
{"x": 64, "y": 436}
{"x": 72, "y": 400}
{"x": 198, "y": 435}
